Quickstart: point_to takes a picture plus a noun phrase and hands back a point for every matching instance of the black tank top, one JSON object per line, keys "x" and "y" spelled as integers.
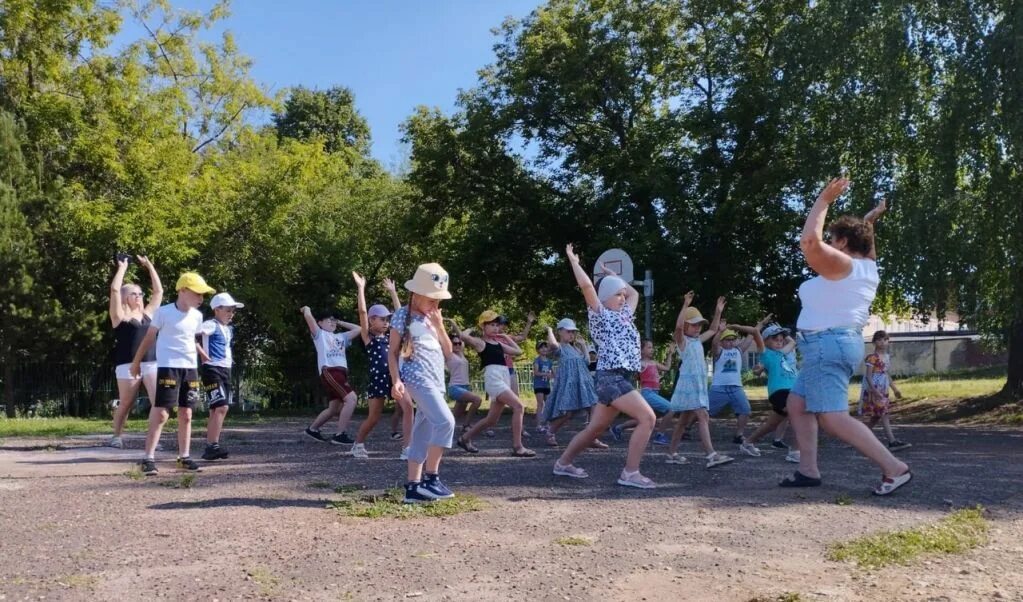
{"x": 127, "y": 337}
{"x": 492, "y": 355}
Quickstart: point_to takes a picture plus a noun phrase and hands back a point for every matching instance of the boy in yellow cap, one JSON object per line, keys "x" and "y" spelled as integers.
{"x": 173, "y": 329}
{"x": 727, "y": 350}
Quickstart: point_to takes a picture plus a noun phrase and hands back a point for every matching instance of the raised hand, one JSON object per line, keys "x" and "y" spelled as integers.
{"x": 304, "y": 310}
{"x": 144, "y": 261}
{"x": 531, "y": 317}
{"x": 570, "y": 253}
{"x": 389, "y": 285}
{"x": 875, "y": 213}
{"x": 607, "y": 271}
{"x": 360, "y": 281}
{"x": 688, "y": 297}
{"x": 721, "y": 305}
{"x": 833, "y": 190}
{"x": 763, "y": 321}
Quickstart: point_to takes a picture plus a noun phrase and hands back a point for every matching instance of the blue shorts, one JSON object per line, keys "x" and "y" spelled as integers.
{"x": 658, "y": 404}
{"x": 455, "y": 392}
{"x": 829, "y": 359}
{"x": 732, "y": 396}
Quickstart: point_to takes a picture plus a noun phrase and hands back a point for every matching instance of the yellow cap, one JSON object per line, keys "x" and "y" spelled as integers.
{"x": 194, "y": 283}
{"x": 490, "y": 316}
{"x": 693, "y": 316}
{"x": 729, "y": 334}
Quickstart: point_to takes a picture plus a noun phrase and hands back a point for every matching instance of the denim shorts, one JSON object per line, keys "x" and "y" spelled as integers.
{"x": 455, "y": 392}
{"x": 612, "y": 384}
{"x": 658, "y": 404}
{"x": 732, "y": 396}
{"x": 829, "y": 359}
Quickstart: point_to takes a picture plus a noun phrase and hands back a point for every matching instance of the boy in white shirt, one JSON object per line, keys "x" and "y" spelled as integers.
{"x": 173, "y": 329}
{"x": 332, "y": 364}
{"x": 217, "y": 336}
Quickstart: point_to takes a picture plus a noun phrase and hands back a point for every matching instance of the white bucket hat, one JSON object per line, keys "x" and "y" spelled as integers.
{"x": 567, "y": 324}
{"x": 431, "y": 281}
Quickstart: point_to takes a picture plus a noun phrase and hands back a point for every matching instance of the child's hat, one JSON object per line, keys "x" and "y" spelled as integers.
{"x": 729, "y": 334}
{"x": 609, "y": 285}
{"x": 693, "y": 316}
{"x": 194, "y": 283}
{"x": 378, "y": 311}
{"x": 567, "y": 324}
{"x": 430, "y": 281}
{"x": 224, "y": 300}
{"x": 491, "y": 316}
{"x": 774, "y": 329}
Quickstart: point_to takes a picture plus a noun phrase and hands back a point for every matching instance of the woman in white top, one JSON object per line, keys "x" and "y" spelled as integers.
{"x": 836, "y": 304}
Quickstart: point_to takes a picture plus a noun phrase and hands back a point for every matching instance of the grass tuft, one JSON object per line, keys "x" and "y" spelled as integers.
{"x": 185, "y": 481}
{"x": 349, "y": 489}
{"x": 958, "y": 532}
{"x": 844, "y": 499}
{"x": 574, "y": 540}
{"x": 782, "y": 597}
{"x": 389, "y": 505}
{"x": 320, "y": 485}
{"x": 135, "y": 474}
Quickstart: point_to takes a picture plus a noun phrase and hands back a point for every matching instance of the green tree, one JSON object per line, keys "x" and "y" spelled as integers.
{"x": 326, "y": 114}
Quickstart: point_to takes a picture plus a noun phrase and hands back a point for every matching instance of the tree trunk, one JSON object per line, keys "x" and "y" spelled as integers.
{"x": 1014, "y": 383}
{"x": 9, "y": 388}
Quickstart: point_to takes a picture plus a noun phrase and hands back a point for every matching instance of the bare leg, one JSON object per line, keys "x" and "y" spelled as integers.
{"x": 632, "y": 404}
{"x": 434, "y": 453}
{"x": 333, "y": 409}
{"x": 376, "y": 408}
{"x": 843, "y": 426}
{"x": 740, "y": 424}
{"x": 703, "y": 425}
{"x": 773, "y": 421}
{"x": 127, "y": 392}
{"x": 779, "y": 433}
{"x": 496, "y": 407}
{"x": 157, "y": 418}
{"x": 601, "y": 417}
{"x": 540, "y": 397}
{"x": 511, "y": 400}
{"x": 887, "y": 424}
{"x": 805, "y": 426}
{"x": 215, "y": 424}
{"x": 347, "y": 409}
{"x": 184, "y": 431}
{"x": 408, "y": 414}
{"x": 396, "y": 416}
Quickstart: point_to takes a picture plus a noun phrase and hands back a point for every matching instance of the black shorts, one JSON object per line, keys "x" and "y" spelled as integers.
{"x": 216, "y": 381}
{"x": 544, "y": 390}
{"x": 178, "y": 386}
{"x": 779, "y": 399}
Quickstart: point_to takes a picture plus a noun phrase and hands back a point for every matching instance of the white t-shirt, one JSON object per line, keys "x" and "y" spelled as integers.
{"x": 330, "y": 349}
{"x": 839, "y": 303}
{"x": 175, "y": 343}
{"x": 727, "y": 368}
{"x": 216, "y": 342}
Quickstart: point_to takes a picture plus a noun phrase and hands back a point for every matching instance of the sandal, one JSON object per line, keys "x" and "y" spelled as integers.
{"x": 890, "y": 484}
{"x": 467, "y": 446}
{"x": 634, "y": 479}
{"x": 523, "y": 452}
{"x": 800, "y": 480}
{"x": 552, "y": 441}
{"x": 598, "y": 444}
{"x": 569, "y": 471}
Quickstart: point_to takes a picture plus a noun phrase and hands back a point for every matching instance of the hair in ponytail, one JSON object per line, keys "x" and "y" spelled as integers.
{"x": 406, "y": 335}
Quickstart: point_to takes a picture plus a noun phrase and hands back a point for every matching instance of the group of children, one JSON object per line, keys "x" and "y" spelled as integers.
{"x": 409, "y": 349}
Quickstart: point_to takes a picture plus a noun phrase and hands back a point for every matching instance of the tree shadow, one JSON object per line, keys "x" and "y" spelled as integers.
{"x": 238, "y": 502}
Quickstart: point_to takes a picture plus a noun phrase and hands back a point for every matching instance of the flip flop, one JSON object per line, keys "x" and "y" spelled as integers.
{"x": 799, "y": 479}
{"x": 467, "y": 446}
{"x": 523, "y": 453}
{"x": 598, "y": 444}
{"x": 890, "y": 484}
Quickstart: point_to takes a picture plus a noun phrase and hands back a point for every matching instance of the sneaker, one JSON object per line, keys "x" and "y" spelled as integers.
{"x": 677, "y": 459}
{"x": 395, "y": 436}
{"x": 359, "y": 451}
{"x": 415, "y": 493}
{"x": 116, "y": 443}
{"x": 342, "y": 439}
{"x": 792, "y": 456}
{"x": 433, "y": 483}
{"x": 661, "y": 439}
{"x": 489, "y": 433}
{"x": 779, "y": 444}
{"x": 187, "y": 463}
{"x": 616, "y": 432}
{"x": 717, "y": 459}
{"x": 738, "y": 440}
{"x": 214, "y": 452}
{"x": 404, "y": 454}
{"x": 750, "y": 450}
{"x": 148, "y": 467}
{"x": 316, "y": 435}
{"x": 897, "y": 445}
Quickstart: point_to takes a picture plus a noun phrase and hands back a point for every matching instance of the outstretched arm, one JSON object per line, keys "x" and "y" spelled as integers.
{"x": 156, "y": 297}
{"x": 822, "y": 258}
{"x": 552, "y": 340}
{"x": 583, "y": 280}
{"x": 715, "y": 343}
{"x": 716, "y": 322}
{"x": 393, "y": 290}
{"x": 310, "y": 321}
{"x": 475, "y": 342}
{"x": 680, "y": 323}
{"x": 115, "y": 293}
{"x": 353, "y": 330}
{"x": 752, "y": 336}
{"x": 530, "y": 318}
{"x": 360, "y": 295}
{"x": 790, "y": 345}
{"x": 871, "y": 217}
{"x": 509, "y": 346}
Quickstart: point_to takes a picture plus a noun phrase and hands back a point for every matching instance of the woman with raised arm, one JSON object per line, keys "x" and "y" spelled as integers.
{"x": 612, "y": 312}
{"x": 836, "y": 305}
{"x": 130, "y": 316}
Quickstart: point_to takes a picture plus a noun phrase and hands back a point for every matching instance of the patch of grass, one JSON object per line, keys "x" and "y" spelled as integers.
{"x": 78, "y": 581}
{"x": 960, "y": 531}
{"x": 185, "y": 481}
{"x": 135, "y": 474}
{"x": 574, "y": 540}
{"x": 782, "y": 597}
{"x": 319, "y": 485}
{"x": 264, "y": 579}
{"x": 349, "y": 489}
{"x": 389, "y": 505}
{"x": 66, "y": 426}
{"x": 844, "y": 500}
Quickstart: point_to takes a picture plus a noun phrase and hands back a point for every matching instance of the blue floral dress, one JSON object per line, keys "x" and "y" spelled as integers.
{"x": 573, "y": 385}
{"x": 691, "y": 387}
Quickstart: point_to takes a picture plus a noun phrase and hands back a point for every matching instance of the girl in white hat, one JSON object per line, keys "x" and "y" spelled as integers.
{"x": 416, "y": 354}
{"x": 612, "y": 313}
{"x": 573, "y": 388}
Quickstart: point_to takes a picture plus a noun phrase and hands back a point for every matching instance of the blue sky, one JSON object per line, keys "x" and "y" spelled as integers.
{"x": 393, "y": 54}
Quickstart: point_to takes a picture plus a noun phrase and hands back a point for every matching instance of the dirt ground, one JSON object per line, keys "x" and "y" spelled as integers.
{"x": 75, "y": 527}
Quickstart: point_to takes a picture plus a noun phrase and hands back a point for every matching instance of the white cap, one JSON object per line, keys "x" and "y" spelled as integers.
{"x": 224, "y": 300}
{"x": 608, "y": 286}
{"x": 566, "y": 324}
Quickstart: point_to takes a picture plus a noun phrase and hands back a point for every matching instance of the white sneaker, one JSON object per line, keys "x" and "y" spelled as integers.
{"x": 116, "y": 443}
{"x": 792, "y": 456}
{"x": 750, "y": 450}
{"x": 676, "y": 459}
{"x": 404, "y": 454}
{"x": 717, "y": 459}
{"x": 359, "y": 451}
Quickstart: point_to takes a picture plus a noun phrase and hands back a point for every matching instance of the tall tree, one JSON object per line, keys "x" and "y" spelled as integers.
{"x": 326, "y": 114}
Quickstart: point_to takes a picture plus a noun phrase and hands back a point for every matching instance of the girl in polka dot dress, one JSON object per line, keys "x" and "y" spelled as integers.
{"x": 375, "y": 323}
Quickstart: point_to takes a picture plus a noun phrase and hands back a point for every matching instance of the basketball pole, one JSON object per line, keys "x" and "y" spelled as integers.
{"x": 648, "y": 303}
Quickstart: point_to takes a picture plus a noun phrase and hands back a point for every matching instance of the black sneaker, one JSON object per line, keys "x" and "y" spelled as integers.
{"x": 189, "y": 464}
{"x": 214, "y": 452}
{"x": 738, "y": 440}
{"x": 148, "y": 468}
{"x": 433, "y": 483}
{"x": 342, "y": 439}
{"x": 897, "y": 445}
{"x": 396, "y": 436}
{"x": 778, "y": 443}
{"x": 415, "y": 493}
{"x": 316, "y": 435}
